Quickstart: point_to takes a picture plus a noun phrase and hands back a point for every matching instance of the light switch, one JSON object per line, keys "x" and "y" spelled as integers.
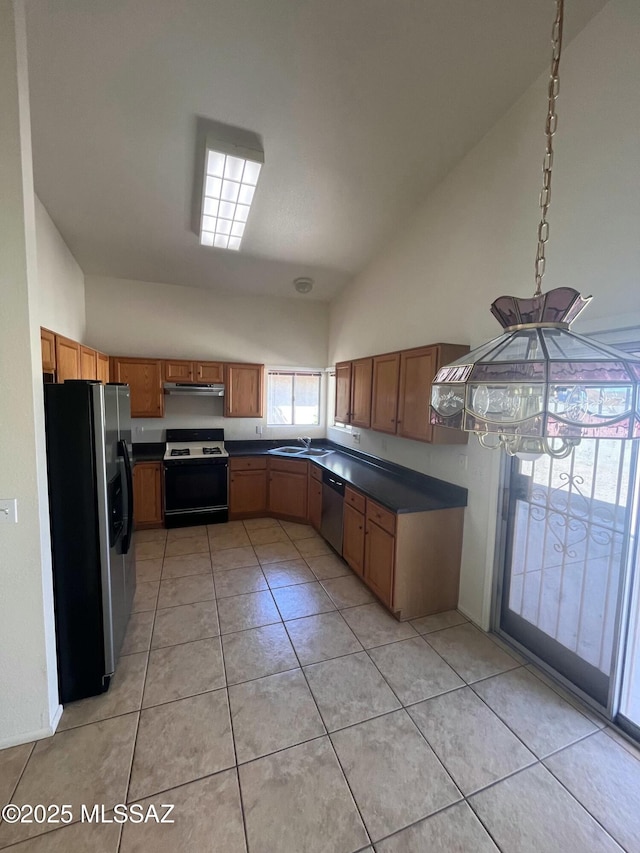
{"x": 9, "y": 510}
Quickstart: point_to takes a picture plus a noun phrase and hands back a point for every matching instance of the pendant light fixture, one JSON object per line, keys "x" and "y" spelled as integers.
{"x": 539, "y": 387}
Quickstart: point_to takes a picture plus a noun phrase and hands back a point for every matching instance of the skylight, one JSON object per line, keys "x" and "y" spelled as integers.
{"x": 230, "y": 178}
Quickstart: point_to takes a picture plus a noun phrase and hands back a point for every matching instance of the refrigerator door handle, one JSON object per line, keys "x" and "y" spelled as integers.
{"x": 123, "y": 451}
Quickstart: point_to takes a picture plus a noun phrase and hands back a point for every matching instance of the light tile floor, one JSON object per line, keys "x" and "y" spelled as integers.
{"x": 267, "y": 696}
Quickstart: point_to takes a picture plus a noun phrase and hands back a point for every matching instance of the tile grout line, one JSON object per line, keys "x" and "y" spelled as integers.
{"x": 232, "y": 732}
{"x": 144, "y": 687}
{"x": 328, "y": 736}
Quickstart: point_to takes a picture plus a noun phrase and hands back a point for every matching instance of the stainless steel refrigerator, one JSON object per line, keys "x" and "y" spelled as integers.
{"x": 88, "y": 429}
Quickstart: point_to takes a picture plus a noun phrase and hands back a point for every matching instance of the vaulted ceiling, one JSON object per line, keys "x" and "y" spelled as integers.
{"x": 363, "y": 106}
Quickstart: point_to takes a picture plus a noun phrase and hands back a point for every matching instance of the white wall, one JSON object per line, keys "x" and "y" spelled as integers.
{"x": 474, "y": 240}
{"x": 28, "y": 688}
{"x": 143, "y": 319}
{"x": 60, "y": 300}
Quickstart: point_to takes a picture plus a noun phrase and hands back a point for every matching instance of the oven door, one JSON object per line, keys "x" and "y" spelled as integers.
{"x": 195, "y": 486}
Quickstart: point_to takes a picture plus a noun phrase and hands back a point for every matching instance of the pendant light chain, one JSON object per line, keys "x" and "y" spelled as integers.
{"x": 550, "y": 129}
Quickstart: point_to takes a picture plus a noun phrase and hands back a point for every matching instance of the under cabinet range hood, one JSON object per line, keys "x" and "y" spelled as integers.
{"x": 194, "y": 389}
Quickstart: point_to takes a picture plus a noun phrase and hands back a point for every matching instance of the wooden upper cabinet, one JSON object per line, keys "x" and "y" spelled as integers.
{"x": 178, "y": 371}
{"x": 102, "y": 367}
{"x": 417, "y": 370}
{"x": 144, "y": 377}
{"x": 209, "y": 371}
{"x": 88, "y": 363}
{"x": 244, "y": 391}
{"x": 343, "y": 392}
{"x": 48, "y": 347}
{"x": 67, "y": 359}
{"x": 384, "y": 397}
{"x": 445, "y": 354}
{"x": 361, "y": 382}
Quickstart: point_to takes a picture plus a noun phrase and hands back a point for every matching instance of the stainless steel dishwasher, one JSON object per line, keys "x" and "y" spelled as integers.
{"x": 332, "y": 506}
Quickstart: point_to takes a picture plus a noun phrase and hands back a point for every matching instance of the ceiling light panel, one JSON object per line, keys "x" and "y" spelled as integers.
{"x": 230, "y": 179}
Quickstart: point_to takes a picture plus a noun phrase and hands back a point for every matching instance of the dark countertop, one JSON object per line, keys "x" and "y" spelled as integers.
{"x": 393, "y": 486}
{"x": 148, "y": 451}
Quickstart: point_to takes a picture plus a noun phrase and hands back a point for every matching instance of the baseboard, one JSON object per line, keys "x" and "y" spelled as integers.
{"x": 39, "y": 734}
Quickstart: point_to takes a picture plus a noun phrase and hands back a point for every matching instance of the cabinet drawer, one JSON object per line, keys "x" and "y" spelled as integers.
{"x": 316, "y": 472}
{"x": 354, "y": 499}
{"x": 247, "y": 463}
{"x": 291, "y": 466}
{"x": 383, "y": 517}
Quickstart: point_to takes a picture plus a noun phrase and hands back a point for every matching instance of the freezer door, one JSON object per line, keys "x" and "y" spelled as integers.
{"x": 125, "y": 461}
{"x": 111, "y": 491}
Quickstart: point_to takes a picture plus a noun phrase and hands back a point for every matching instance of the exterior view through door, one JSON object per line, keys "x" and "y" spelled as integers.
{"x": 569, "y": 590}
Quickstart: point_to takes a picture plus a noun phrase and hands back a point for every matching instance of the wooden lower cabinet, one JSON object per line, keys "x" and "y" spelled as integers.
{"x": 288, "y": 488}
{"x": 379, "y": 553}
{"x": 248, "y": 487}
{"x": 147, "y": 494}
{"x": 315, "y": 502}
{"x": 411, "y": 561}
{"x": 353, "y": 537}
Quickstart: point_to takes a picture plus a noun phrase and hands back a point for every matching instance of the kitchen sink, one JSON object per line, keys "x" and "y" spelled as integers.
{"x": 299, "y": 451}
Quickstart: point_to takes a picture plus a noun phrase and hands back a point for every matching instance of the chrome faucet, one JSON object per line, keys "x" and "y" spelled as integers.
{"x": 306, "y": 441}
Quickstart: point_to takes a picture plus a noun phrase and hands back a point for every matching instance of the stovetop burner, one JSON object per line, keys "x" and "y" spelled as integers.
{"x": 181, "y": 451}
{"x": 212, "y": 451}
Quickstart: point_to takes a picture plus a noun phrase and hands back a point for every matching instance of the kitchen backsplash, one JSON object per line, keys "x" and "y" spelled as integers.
{"x": 207, "y": 412}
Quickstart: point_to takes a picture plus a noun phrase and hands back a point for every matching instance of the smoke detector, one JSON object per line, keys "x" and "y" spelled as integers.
{"x": 303, "y": 284}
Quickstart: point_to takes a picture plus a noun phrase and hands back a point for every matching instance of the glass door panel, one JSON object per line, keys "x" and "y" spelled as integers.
{"x": 567, "y": 533}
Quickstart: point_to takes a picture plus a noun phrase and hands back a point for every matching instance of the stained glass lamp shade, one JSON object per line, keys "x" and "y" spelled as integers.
{"x": 540, "y": 387}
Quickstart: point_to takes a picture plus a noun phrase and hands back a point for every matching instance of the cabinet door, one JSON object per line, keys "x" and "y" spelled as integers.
{"x": 67, "y": 359}
{"x": 102, "y": 367}
{"x": 353, "y": 539}
{"x": 144, "y": 377}
{"x": 244, "y": 391}
{"x": 88, "y": 363}
{"x": 361, "y": 381}
{"x": 417, "y": 370}
{"x": 343, "y": 392}
{"x": 48, "y": 347}
{"x": 147, "y": 494}
{"x": 209, "y": 371}
{"x": 384, "y": 399}
{"x": 315, "y": 502}
{"x": 378, "y": 561}
{"x": 288, "y": 494}
{"x": 248, "y": 492}
{"x": 178, "y": 371}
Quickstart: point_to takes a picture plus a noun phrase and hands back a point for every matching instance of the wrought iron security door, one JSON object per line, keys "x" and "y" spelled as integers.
{"x": 567, "y": 535}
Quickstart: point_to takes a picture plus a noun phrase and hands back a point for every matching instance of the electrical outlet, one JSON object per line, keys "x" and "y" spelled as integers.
{"x": 9, "y": 511}
{"x": 462, "y": 461}
{"x": 356, "y": 437}
{"x": 259, "y": 430}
